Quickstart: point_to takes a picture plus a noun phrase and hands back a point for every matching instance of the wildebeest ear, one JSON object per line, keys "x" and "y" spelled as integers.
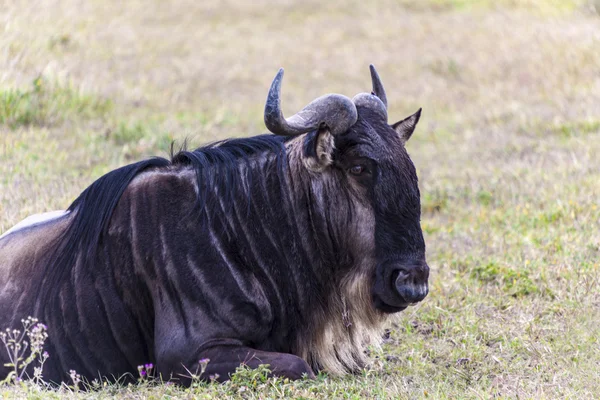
{"x": 406, "y": 127}
{"x": 318, "y": 150}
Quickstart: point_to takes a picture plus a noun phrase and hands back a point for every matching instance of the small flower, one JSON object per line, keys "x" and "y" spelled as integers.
{"x": 149, "y": 366}
{"x": 75, "y": 377}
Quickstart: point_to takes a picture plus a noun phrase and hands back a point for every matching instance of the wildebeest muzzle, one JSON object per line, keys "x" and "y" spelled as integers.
{"x": 399, "y": 284}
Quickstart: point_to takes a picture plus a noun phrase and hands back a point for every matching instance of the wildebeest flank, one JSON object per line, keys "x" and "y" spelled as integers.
{"x": 288, "y": 249}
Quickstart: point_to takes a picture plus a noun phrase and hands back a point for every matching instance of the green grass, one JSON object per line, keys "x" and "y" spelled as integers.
{"x": 45, "y": 103}
{"x": 506, "y": 151}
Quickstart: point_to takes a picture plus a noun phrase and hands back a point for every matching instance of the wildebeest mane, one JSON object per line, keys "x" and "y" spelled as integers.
{"x": 216, "y": 166}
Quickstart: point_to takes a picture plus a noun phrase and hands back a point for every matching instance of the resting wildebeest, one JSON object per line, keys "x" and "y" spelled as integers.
{"x": 288, "y": 249}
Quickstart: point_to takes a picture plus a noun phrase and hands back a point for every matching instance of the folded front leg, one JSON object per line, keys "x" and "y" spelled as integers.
{"x": 226, "y": 355}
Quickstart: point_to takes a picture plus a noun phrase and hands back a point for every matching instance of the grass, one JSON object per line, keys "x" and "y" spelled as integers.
{"x": 507, "y": 154}
{"x": 46, "y": 103}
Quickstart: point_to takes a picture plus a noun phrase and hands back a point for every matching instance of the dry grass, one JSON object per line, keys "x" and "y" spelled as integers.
{"x": 508, "y": 153}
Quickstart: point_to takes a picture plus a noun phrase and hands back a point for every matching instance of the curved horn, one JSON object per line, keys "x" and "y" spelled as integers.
{"x": 372, "y": 102}
{"x": 378, "y": 89}
{"x": 334, "y": 111}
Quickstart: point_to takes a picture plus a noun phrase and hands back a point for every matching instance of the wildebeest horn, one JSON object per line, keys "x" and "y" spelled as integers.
{"x": 378, "y": 89}
{"x": 376, "y": 100}
{"x": 333, "y": 111}
{"x": 372, "y": 102}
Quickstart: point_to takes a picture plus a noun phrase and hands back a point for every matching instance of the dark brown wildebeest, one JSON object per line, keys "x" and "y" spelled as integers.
{"x": 288, "y": 249}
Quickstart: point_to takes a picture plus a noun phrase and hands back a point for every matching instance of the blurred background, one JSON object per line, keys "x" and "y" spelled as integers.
{"x": 507, "y": 150}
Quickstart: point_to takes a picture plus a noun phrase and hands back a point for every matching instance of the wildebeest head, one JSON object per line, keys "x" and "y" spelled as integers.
{"x": 352, "y": 140}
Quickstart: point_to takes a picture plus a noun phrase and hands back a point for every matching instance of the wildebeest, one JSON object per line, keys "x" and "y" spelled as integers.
{"x": 288, "y": 249}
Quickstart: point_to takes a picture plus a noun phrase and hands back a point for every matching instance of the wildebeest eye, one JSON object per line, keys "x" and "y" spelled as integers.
{"x": 357, "y": 169}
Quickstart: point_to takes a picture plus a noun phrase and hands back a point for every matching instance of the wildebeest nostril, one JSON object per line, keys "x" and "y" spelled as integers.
{"x": 410, "y": 286}
{"x": 402, "y": 276}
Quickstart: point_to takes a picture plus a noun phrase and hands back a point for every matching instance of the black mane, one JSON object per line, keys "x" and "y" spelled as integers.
{"x": 216, "y": 166}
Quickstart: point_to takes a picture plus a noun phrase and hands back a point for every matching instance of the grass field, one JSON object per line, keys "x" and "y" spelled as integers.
{"x": 508, "y": 154}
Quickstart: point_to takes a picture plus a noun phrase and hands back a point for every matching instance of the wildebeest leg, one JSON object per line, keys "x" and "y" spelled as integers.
{"x": 226, "y": 355}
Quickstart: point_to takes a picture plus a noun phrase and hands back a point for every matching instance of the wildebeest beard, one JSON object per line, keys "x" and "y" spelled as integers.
{"x": 266, "y": 250}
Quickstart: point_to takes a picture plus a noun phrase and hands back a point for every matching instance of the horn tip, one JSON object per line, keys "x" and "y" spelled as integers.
{"x": 278, "y": 78}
